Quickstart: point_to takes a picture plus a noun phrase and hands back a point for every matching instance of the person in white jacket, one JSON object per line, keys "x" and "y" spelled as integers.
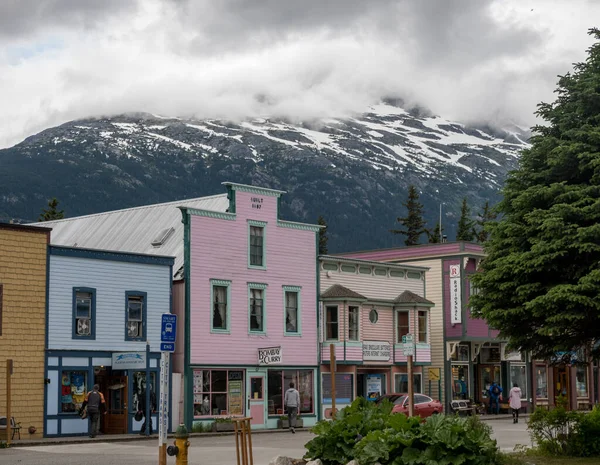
{"x": 514, "y": 400}
{"x": 292, "y": 403}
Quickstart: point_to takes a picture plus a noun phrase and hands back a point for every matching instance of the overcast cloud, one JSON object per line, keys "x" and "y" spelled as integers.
{"x": 470, "y": 60}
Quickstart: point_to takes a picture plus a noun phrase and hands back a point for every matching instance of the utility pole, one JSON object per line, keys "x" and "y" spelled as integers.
{"x": 9, "y": 372}
{"x": 440, "y": 222}
{"x": 332, "y": 367}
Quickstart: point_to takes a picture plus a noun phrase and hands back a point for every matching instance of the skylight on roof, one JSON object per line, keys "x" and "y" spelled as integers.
{"x": 162, "y": 237}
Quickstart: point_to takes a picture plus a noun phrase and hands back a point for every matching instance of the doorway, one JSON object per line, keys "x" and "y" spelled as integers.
{"x": 256, "y": 399}
{"x": 487, "y": 375}
{"x": 561, "y": 385}
{"x": 115, "y": 421}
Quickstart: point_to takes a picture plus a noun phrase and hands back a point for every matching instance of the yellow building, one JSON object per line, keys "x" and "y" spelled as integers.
{"x": 23, "y": 261}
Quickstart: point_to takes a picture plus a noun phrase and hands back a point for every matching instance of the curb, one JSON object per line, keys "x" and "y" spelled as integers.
{"x": 131, "y": 438}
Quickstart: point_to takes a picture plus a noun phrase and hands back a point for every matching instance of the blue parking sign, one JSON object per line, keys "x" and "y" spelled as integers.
{"x": 168, "y": 328}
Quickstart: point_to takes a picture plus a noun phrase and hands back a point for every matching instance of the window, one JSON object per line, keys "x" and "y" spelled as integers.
{"x": 541, "y": 382}
{"x": 344, "y": 388}
{"x": 220, "y": 297}
{"x": 353, "y": 323}
{"x": 413, "y": 275}
{"x": 581, "y": 381}
{"x": 330, "y": 266}
{"x": 364, "y": 270}
{"x": 460, "y": 382}
{"x": 256, "y": 250}
{"x": 84, "y": 313}
{"x": 256, "y": 294}
{"x": 256, "y": 388}
{"x": 518, "y": 375}
{"x": 218, "y": 392}
{"x": 461, "y": 354}
{"x": 380, "y": 272}
{"x": 139, "y": 384}
{"x": 135, "y": 316}
{"x": 401, "y": 382}
{"x": 373, "y": 316}
{"x": 348, "y": 268}
{"x": 422, "y": 315}
{"x": 403, "y": 324}
{"x": 279, "y": 382}
{"x": 291, "y": 303}
{"x": 331, "y": 323}
{"x": 397, "y": 274}
{"x": 73, "y": 390}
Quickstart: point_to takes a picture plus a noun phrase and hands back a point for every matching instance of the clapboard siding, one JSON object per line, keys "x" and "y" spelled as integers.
{"x": 219, "y": 250}
{"x": 111, "y": 279}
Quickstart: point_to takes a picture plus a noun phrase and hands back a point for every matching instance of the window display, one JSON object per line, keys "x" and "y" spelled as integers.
{"x": 279, "y": 381}
{"x": 73, "y": 390}
{"x": 218, "y": 392}
{"x": 489, "y": 374}
{"x": 139, "y": 384}
{"x": 581, "y": 381}
{"x": 460, "y": 382}
{"x": 518, "y": 374}
{"x": 541, "y": 382}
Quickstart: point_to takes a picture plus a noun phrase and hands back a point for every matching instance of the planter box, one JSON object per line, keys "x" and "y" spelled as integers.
{"x": 222, "y": 427}
{"x": 285, "y": 424}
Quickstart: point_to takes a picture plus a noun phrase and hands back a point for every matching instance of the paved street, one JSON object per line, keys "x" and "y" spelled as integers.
{"x": 205, "y": 450}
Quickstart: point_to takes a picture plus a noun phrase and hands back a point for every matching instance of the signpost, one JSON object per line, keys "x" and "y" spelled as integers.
{"x": 168, "y": 335}
{"x": 332, "y": 369}
{"x": 408, "y": 348}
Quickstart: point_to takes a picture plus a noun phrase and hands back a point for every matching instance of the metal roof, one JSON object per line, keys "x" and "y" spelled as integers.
{"x": 409, "y": 297}
{"x": 337, "y": 291}
{"x": 133, "y": 229}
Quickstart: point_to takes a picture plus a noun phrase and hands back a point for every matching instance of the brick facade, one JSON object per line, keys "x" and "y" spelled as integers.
{"x": 23, "y": 261}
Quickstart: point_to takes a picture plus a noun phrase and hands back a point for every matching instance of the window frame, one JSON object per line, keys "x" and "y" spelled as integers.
{"x": 263, "y": 226}
{"x": 263, "y": 288}
{"x": 337, "y": 322}
{"x": 295, "y": 373}
{"x": 297, "y": 290}
{"x": 220, "y": 283}
{"x": 426, "y": 312}
{"x": 144, "y": 296}
{"x": 357, "y": 308}
{"x": 398, "y": 335}
{"x": 92, "y": 335}
{"x": 211, "y": 392}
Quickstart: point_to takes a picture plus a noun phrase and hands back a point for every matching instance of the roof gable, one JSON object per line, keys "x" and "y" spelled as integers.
{"x": 337, "y": 291}
{"x": 409, "y": 297}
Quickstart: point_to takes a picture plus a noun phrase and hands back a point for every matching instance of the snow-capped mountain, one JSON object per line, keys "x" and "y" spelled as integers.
{"x": 353, "y": 171}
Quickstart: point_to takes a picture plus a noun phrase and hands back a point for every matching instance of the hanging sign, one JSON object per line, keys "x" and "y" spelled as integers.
{"x": 455, "y": 297}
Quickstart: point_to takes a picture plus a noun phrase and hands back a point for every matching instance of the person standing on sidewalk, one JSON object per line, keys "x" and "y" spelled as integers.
{"x": 292, "y": 403}
{"x": 495, "y": 398}
{"x": 514, "y": 399}
{"x": 96, "y": 406}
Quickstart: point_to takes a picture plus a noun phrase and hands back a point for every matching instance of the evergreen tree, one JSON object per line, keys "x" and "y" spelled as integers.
{"x": 52, "y": 212}
{"x": 435, "y": 236}
{"x": 413, "y": 223}
{"x": 487, "y": 215}
{"x": 540, "y": 281}
{"x": 322, "y": 236}
{"x": 465, "y": 230}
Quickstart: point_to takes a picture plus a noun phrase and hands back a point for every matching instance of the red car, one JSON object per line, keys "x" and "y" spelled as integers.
{"x": 425, "y": 406}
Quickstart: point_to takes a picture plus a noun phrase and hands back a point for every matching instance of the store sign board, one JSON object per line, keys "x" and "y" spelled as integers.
{"x": 455, "y": 296}
{"x": 128, "y": 360}
{"x": 270, "y": 356}
{"x": 376, "y": 351}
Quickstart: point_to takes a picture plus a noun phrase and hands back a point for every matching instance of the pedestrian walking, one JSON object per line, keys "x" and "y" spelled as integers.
{"x": 514, "y": 399}
{"x": 96, "y": 406}
{"x": 142, "y": 406}
{"x": 292, "y": 403}
{"x": 495, "y": 398}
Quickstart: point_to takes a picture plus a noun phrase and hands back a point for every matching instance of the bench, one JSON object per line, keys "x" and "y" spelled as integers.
{"x": 462, "y": 407}
{"x": 15, "y": 427}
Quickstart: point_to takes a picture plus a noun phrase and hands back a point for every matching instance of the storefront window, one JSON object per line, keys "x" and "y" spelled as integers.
{"x": 401, "y": 382}
{"x": 518, "y": 374}
{"x": 461, "y": 354}
{"x": 73, "y": 390}
{"x": 279, "y": 382}
{"x": 344, "y": 387}
{"x": 460, "y": 382}
{"x": 218, "y": 392}
{"x": 139, "y": 384}
{"x": 581, "y": 381}
{"x": 541, "y": 382}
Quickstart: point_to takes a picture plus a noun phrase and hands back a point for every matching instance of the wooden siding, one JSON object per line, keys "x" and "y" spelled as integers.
{"x": 219, "y": 250}
{"x": 111, "y": 280}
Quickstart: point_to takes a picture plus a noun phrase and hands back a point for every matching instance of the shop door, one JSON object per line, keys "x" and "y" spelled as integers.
{"x": 256, "y": 399}
{"x": 487, "y": 375}
{"x": 561, "y": 385}
{"x": 115, "y": 421}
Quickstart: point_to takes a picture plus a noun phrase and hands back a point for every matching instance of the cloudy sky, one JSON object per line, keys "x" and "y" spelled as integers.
{"x": 490, "y": 60}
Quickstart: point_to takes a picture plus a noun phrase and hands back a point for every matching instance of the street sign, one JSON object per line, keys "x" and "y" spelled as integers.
{"x": 163, "y": 401}
{"x": 408, "y": 338}
{"x": 168, "y": 328}
{"x": 408, "y": 348}
{"x": 167, "y": 347}
{"x": 434, "y": 373}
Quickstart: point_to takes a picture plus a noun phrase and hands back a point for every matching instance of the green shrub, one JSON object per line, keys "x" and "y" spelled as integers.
{"x": 586, "y": 440}
{"x": 553, "y": 430}
{"x": 371, "y": 434}
{"x": 199, "y": 427}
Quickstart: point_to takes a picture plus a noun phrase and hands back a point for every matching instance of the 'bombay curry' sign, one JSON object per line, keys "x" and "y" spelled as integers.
{"x": 270, "y": 356}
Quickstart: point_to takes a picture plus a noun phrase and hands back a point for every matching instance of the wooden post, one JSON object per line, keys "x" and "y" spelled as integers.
{"x": 332, "y": 368}
{"x": 9, "y": 372}
{"x": 411, "y": 398}
{"x": 237, "y": 441}
{"x": 162, "y": 455}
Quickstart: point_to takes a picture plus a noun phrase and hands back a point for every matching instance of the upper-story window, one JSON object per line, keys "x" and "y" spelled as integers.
{"x": 331, "y": 322}
{"x": 423, "y": 325}
{"x": 291, "y": 302}
{"x": 84, "y": 313}
{"x": 135, "y": 316}
{"x": 353, "y": 323}
{"x": 256, "y": 244}
{"x": 256, "y": 294}
{"x": 220, "y": 305}
{"x": 403, "y": 324}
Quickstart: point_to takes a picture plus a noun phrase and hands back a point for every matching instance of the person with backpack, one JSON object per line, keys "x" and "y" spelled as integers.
{"x": 514, "y": 399}
{"x": 495, "y": 398}
{"x": 96, "y": 406}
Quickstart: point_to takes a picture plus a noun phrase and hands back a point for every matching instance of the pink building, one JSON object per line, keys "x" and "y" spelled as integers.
{"x": 250, "y": 320}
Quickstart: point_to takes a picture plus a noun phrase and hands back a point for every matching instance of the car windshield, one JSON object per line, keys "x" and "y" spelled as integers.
{"x": 399, "y": 400}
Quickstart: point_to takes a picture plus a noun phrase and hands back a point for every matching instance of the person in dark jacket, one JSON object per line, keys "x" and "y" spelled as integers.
{"x": 96, "y": 406}
{"x": 495, "y": 392}
{"x": 142, "y": 407}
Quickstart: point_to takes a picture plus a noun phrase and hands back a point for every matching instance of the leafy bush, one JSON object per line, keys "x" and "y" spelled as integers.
{"x": 371, "y": 434}
{"x": 199, "y": 427}
{"x": 586, "y": 440}
{"x": 553, "y": 430}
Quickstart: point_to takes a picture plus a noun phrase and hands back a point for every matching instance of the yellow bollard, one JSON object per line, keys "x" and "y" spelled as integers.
{"x": 180, "y": 449}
